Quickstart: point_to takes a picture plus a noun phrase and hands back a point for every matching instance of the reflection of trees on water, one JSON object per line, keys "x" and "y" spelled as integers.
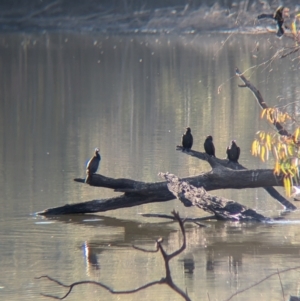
{"x": 214, "y": 257}
{"x": 127, "y": 15}
{"x": 213, "y": 249}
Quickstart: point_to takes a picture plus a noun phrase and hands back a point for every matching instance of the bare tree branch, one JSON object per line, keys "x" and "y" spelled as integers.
{"x": 165, "y": 280}
{"x": 281, "y": 130}
{"x": 281, "y": 284}
{"x": 261, "y": 281}
{"x": 194, "y": 220}
{"x": 71, "y": 286}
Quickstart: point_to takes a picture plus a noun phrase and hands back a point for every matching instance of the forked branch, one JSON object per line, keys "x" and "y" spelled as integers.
{"x": 165, "y": 280}
{"x": 281, "y": 130}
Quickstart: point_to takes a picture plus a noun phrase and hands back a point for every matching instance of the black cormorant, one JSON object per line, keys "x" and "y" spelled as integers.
{"x": 93, "y": 164}
{"x": 209, "y": 146}
{"x": 187, "y": 140}
{"x": 233, "y": 152}
{"x": 279, "y": 15}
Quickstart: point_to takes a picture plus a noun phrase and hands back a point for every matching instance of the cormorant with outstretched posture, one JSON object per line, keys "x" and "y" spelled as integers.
{"x": 93, "y": 164}
{"x": 233, "y": 152}
{"x": 187, "y": 140}
{"x": 209, "y": 146}
{"x": 279, "y": 15}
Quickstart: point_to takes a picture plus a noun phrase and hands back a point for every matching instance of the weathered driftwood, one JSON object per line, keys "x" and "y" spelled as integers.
{"x": 222, "y": 208}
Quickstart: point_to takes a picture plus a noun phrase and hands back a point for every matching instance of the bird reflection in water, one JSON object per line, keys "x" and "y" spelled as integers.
{"x": 210, "y": 261}
{"x": 90, "y": 258}
{"x": 189, "y": 265}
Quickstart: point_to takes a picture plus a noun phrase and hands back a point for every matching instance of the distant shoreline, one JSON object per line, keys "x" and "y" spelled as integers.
{"x": 181, "y": 19}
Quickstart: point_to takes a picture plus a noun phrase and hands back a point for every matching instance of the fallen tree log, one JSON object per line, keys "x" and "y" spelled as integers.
{"x": 219, "y": 177}
{"x": 138, "y": 193}
{"x": 119, "y": 202}
{"x": 222, "y": 208}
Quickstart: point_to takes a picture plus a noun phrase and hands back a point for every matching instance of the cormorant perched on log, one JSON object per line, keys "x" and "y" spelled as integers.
{"x": 209, "y": 146}
{"x": 187, "y": 140}
{"x": 93, "y": 164}
{"x": 279, "y": 15}
{"x": 233, "y": 152}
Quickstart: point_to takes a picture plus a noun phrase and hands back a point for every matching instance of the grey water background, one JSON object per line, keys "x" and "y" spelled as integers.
{"x": 63, "y": 94}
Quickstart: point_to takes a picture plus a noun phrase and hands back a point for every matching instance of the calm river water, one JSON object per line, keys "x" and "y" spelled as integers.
{"x": 64, "y": 94}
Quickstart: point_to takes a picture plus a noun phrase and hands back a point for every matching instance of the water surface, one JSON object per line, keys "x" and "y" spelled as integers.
{"x": 62, "y": 95}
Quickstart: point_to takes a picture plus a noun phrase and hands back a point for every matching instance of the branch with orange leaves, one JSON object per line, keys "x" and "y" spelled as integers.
{"x": 283, "y": 145}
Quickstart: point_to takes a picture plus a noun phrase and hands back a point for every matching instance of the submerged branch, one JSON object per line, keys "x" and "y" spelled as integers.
{"x": 261, "y": 281}
{"x": 187, "y": 219}
{"x": 165, "y": 280}
{"x": 222, "y": 208}
{"x": 72, "y": 285}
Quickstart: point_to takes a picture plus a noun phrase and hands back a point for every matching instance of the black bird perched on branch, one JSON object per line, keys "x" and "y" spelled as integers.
{"x": 187, "y": 140}
{"x": 279, "y": 15}
{"x": 93, "y": 164}
{"x": 209, "y": 146}
{"x": 233, "y": 152}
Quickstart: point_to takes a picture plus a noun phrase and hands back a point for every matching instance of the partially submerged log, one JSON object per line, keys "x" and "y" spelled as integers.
{"x": 119, "y": 202}
{"x": 138, "y": 193}
{"x": 222, "y": 208}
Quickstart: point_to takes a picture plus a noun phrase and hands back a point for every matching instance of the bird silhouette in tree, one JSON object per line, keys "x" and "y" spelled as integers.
{"x": 279, "y": 16}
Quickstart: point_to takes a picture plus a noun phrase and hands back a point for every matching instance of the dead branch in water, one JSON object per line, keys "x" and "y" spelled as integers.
{"x": 167, "y": 279}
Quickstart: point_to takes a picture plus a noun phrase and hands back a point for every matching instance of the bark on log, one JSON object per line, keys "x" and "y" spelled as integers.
{"x": 236, "y": 166}
{"x": 219, "y": 177}
{"x": 222, "y": 208}
{"x": 119, "y": 202}
{"x": 138, "y": 193}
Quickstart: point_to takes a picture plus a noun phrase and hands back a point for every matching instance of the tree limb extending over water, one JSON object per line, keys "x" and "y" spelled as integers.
{"x": 236, "y": 166}
{"x": 247, "y": 84}
{"x": 138, "y": 193}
